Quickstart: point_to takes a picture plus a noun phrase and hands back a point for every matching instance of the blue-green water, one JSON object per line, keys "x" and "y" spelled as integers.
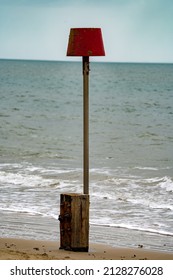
{"x": 131, "y": 145}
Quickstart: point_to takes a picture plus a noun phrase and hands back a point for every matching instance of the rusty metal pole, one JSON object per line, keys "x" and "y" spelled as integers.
{"x": 86, "y": 124}
{"x": 85, "y": 42}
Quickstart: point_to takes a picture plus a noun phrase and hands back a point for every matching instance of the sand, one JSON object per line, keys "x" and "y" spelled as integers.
{"x": 18, "y": 249}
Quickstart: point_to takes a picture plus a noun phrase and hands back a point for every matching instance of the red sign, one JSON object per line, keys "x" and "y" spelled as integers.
{"x": 85, "y": 42}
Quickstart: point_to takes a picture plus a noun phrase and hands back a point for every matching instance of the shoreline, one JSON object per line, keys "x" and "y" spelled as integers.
{"x": 21, "y": 249}
{"x": 36, "y": 229}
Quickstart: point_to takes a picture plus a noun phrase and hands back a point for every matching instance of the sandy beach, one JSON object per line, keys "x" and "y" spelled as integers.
{"x": 19, "y": 249}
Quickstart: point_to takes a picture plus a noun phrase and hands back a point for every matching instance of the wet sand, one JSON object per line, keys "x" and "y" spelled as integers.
{"x": 20, "y": 249}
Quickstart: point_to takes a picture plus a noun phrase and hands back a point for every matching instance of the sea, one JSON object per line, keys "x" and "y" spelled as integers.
{"x": 130, "y": 147}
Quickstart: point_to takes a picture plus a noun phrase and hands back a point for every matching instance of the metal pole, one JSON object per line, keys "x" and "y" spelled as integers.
{"x": 86, "y": 124}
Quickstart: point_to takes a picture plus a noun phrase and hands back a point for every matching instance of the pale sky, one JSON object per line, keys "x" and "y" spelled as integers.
{"x": 133, "y": 30}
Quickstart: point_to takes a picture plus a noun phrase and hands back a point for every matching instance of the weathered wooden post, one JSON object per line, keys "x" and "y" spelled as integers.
{"x": 74, "y": 208}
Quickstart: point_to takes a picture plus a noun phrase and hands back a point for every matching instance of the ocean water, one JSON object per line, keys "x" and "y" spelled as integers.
{"x": 131, "y": 149}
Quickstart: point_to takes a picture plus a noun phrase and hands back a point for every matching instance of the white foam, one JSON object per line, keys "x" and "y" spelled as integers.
{"x": 114, "y": 196}
{"x": 166, "y": 183}
{"x": 145, "y": 168}
{"x": 134, "y": 227}
{"x": 22, "y": 210}
{"x": 7, "y": 178}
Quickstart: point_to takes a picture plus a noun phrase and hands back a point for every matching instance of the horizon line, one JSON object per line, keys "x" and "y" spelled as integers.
{"x": 59, "y": 60}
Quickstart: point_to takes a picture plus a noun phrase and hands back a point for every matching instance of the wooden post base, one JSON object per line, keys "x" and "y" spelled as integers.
{"x": 74, "y": 222}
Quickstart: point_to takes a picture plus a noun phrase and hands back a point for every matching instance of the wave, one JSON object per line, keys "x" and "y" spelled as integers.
{"x": 146, "y": 168}
{"x": 152, "y": 168}
{"x": 166, "y": 183}
{"x": 19, "y": 179}
{"x": 131, "y": 227}
{"x": 29, "y": 212}
{"x": 119, "y": 188}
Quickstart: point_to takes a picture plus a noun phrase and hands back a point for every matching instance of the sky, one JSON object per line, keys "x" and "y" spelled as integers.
{"x": 133, "y": 30}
